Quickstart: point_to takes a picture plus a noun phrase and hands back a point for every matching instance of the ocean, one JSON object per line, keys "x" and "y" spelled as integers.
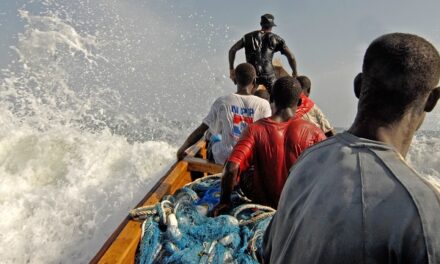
{"x": 95, "y": 98}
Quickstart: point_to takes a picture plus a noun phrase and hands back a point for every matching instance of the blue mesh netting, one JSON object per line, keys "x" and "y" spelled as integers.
{"x": 197, "y": 238}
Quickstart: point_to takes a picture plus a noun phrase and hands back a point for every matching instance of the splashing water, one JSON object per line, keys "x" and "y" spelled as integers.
{"x": 91, "y": 107}
{"x": 424, "y": 154}
{"x": 92, "y": 104}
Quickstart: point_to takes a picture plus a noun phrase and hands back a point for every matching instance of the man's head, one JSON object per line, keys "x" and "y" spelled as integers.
{"x": 306, "y": 84}
{"x": 398, "y": 76}
{"x": 245, "y": 75}
{"x": 286, "y": 92}
{"x": 267, "y": 21}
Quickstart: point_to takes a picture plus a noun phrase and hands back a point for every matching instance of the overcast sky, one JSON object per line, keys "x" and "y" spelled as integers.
{"x": 328, "y": 38}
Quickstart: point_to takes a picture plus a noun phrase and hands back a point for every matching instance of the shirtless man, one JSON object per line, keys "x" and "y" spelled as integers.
{"x": 353, "y": 198}
{"x": 260, "y": 47}
{"x": 272, "y": 145}
{"x": 313, "y": 113}
{"x": 230, "y": 115}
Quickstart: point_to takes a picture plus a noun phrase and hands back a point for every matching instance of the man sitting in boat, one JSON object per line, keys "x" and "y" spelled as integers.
{"x": 230, "y": 115}
{"x": 353, "y": 198}
{"x": 272, "y": 145}
{"x": 312, "y": 112}
{"x": 260, "y": 47}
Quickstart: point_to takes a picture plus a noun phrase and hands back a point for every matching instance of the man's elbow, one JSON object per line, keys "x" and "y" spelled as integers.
{"x": 231, "y": 169}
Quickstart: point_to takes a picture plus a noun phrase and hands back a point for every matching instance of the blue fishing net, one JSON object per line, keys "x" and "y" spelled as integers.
{"x": 150, "y": 245}
{"x": 194, "y": 237}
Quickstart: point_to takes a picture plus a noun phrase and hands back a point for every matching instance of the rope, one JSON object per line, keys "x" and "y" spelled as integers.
{"x": 141, "y": 213}
{"x": 175, "y": 231}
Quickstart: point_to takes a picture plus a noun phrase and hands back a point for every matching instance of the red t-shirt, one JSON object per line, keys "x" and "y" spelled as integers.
{"x": 273, "y": 148}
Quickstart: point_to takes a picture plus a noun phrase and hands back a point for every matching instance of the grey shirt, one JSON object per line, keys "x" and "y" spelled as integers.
{"x": 353, "y": 200}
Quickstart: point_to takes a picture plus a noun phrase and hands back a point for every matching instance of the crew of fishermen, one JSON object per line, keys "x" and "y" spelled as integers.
{"x": 348, "y": 198}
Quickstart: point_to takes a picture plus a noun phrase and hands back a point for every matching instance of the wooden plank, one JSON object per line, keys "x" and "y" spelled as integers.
{"x": 203, "y": 165}
{"x": 196, "y": 148}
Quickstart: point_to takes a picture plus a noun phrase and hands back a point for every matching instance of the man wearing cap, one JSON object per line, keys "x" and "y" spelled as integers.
{"x": 259, "y": 47}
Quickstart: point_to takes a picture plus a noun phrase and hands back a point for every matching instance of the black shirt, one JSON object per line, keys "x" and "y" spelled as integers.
{"x": 260, "y": 47}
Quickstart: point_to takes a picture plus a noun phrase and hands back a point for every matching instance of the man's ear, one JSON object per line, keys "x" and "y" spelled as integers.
{"x": 255, "y": 85}
{"x": 299, "y": 102}
{"x": 357, "y": 85}
{"x": 432, "y": 99}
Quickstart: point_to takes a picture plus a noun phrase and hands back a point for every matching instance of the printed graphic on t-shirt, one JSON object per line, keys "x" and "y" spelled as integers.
{"x": 242, "y": 117}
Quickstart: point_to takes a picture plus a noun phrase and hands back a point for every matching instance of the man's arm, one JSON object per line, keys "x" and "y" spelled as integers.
{"x": 229, "y": 180}
{"x": 236, "y": 47}
{"x": 191, "y": 140}
{"x": 292, "y": 61}
{"x": 240, "y": 159}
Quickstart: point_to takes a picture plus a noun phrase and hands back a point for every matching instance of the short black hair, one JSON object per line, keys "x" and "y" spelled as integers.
{"x": 262, "y": 94}
{"x": 245, "y": 74}
{"x": 306, "y": 84}
{"x": 398, "y": 70}
{"x": 286, "y": 92}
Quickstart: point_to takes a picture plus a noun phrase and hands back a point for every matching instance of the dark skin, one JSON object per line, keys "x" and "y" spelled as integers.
{"x": 231, "y": 172}
{"x": 240, "y": 44}
{"x": 306, "y": 92}
{"x": 330, "y": 133}
{"x": 398, "y": 134}
{"x": 200, "y": 130}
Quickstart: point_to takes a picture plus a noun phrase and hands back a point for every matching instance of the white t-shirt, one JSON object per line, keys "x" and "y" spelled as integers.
{"x": 229, "y": 116}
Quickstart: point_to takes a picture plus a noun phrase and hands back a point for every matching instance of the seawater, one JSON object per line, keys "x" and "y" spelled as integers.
{"x": 64, "y": 190}
{"x": 94, "y": 100}
{"x": 424, "y": 154}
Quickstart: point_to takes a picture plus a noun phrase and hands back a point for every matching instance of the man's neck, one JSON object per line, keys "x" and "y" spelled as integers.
{"x": 246, "y": 90}
{"x": 399, "y": 134}
{"x": 283, "y": 115}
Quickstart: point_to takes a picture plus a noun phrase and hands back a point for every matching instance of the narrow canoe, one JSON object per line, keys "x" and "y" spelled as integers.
{"x": 121, "y": 246}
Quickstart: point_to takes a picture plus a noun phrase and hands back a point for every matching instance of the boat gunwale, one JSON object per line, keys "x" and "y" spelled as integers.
{"x": 198, "y": 148}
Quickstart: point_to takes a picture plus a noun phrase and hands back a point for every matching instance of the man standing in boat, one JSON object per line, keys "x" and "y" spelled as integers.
{"x": 353, "y": 198}
{"x": 230, "y": 115}
{"x": 272, "y": 145}
{"x": 260, "y": 47}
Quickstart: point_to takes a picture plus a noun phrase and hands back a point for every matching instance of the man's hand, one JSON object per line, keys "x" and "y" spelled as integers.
{"x": 191, "y": 140}
{"x": 232, "y": 75}
{"x": 294, "y": 74}
{"x": 221, "y": 208}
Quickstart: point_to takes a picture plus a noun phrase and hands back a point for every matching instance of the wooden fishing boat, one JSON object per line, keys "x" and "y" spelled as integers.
{"x": 121, "y": 246}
